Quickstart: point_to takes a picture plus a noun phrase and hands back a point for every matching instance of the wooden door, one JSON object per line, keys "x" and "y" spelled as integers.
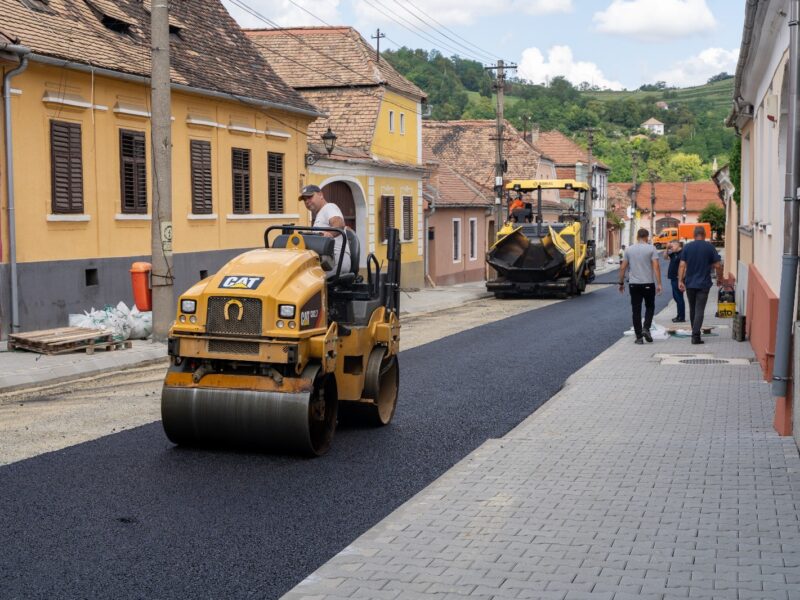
{"x": 341, "y": 195}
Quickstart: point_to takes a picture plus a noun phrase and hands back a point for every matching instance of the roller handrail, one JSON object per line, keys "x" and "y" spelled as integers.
{"x": 339, "y": 230}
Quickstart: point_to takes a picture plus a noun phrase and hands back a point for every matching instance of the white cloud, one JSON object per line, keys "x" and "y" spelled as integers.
{"x": 697, "y": 69}
{"x": 560, "y": 61}
{"x": 285, "y": 13}
{"x": 454, "y": 12}
{"x": 655, "y": 20}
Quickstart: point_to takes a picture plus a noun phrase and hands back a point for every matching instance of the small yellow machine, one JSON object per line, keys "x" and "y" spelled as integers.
{"x": 531, "y": 256}
{"x": 263, "y": 352}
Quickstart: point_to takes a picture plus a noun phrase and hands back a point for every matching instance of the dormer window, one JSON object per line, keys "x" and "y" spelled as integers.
{"x": 111, "y": 16}
{"x": 38, "y": 5}
{"x": 116, "y": 25}
{"x": 174, "y": 33}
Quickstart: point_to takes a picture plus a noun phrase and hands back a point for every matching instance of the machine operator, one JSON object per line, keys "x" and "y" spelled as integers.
{"x": 327, "y": 215}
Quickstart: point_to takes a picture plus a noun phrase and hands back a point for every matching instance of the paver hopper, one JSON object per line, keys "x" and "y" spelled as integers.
{"x": 532, "y": 256}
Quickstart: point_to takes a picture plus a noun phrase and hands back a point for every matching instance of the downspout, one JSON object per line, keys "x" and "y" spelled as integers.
{"x": 788, "y": 285}
{"x": 22, "y": 52}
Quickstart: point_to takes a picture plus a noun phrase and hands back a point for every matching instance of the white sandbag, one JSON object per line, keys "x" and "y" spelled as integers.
{"x": 657, "y": 332}
{"x": 141, "y": 324}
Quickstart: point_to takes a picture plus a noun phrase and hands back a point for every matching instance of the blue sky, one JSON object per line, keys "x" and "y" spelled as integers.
{"x": 610, "y": 43}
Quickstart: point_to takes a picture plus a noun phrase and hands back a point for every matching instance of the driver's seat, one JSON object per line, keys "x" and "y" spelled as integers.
{"x": 355, "y": 250}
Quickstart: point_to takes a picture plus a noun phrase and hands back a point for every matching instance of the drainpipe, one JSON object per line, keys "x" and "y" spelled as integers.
{"x": 788, "y": 286}
{"x": 22, "y": 52}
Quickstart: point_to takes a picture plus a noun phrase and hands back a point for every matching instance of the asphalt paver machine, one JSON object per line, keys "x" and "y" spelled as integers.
{"x": 264, "y": 351}
{"x": 534, "y": 257}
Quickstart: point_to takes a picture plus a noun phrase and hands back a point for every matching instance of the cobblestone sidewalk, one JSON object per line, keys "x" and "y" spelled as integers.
{"x": 638, "y": 480}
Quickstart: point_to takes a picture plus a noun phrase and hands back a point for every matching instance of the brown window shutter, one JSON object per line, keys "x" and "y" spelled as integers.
{"x": 240, "y": 159}
{"x": 387, "y": 215}
{"x": 408, "y": 218}
{"x": 275, "y": 178}
{"x": 200, "y": 155}
{"x": 133, "y": 172}
{"x": 66, "y": 159}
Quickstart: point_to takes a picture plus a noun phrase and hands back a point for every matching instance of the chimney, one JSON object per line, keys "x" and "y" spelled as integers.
{"x": 534, "y": 135}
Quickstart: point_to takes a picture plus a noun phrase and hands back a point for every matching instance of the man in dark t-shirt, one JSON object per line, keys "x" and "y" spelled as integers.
{"x": 673, "y": 253}
{"x": 694, "y": 277}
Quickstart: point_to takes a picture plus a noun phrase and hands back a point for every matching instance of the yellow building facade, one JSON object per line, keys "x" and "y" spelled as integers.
{"x": 82, "y": 169}
{"x": 375, "y": 172}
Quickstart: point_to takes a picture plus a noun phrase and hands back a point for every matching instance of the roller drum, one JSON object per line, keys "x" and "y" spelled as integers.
{"x": 295, "y": 422}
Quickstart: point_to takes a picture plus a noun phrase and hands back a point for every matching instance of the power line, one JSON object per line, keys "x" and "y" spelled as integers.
{"x": 446, "y": 28}
{"x": 469, "y": 48}
{"x": 407, "y": 25}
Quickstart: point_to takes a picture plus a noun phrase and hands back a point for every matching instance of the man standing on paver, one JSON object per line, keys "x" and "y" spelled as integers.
{"x": 673, "y": 254}
{"x": 694, "y": 277}
{"x": 644, "y": 282}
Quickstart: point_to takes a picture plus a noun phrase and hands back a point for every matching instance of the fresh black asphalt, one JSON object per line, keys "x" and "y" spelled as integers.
{"x": 131, "y": 516}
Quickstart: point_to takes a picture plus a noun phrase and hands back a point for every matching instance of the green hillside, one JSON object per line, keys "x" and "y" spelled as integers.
{"x": 695, "y": 133}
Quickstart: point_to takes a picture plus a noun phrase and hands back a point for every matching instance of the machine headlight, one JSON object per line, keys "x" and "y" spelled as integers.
{"x": 188, "y": 306}
{"x": 279, "y": 324}
{"x": 286, "y": 311}
{"x": 193, "y": 319}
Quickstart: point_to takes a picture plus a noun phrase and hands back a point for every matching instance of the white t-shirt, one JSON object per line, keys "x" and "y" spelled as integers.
{"x": 323, "y": 219}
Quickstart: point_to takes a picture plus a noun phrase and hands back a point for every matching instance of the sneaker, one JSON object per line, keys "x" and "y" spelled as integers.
{"x": 678, "y": 320}
{"x": 647, "y": 336}
{"x": 638, "y": 341}
{"x": 697, "y": 340}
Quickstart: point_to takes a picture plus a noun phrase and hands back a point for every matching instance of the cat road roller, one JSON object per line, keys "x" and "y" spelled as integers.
{"x": 264, "y": 352}
{"x": 533, "y": 257}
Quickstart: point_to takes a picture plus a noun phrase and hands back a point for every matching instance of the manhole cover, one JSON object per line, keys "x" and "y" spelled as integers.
{"x": 701, "y": 359}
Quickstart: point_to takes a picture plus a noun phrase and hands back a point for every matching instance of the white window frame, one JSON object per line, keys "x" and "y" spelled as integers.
{"x": 391, "y": 121}
{"x": 402, "y": 123}
{"x": 456, "y": 231}
{"x": 473, "y": 238}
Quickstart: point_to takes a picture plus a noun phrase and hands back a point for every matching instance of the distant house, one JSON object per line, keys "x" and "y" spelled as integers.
{"x": 458, "y": 212}
{"x": 662, "y": 105}
{"x": 571, "y": 162}
{"x": 375, "y": 172}
{"x": 461, "y": 189}
{"x": 654, "y": 126}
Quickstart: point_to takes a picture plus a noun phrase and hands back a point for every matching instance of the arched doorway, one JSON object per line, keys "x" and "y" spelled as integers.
{"x": 341, "y": 195}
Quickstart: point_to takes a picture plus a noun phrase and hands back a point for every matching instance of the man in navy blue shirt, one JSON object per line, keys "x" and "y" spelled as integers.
{"x": 694, "y": 277}
{"x": 673, "y": 253}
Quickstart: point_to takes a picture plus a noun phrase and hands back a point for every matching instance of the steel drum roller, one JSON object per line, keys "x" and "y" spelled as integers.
{"x": 300, "y": 422}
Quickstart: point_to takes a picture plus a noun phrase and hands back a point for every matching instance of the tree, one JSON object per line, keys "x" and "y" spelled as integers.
{"x": 680, "y": 165}
{"x": 720, "y": 77}
{"x": 482, "y": 108}
{"x": 714, "y": 214}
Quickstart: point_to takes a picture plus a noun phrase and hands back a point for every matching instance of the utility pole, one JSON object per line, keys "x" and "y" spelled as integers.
{"x": 589, "y": 202}
{"x": 500, "y": 165}
{"x": 634, "y": 168}
{"x": 653, "y": 179}
{"x": 683, "y": 214}
{"x": 161, "y": 134}
{"x": 378, "y": 36}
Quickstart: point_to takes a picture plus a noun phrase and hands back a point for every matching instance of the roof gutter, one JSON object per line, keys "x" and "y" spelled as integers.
{"x": 23, "y": 54}
{"x": 179, "y": 87}
{"x": 744, "y": 55}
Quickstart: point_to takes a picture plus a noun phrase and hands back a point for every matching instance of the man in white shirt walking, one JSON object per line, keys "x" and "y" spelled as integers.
{"x": 327, "y": 215}
{"x": 644, "y": 283}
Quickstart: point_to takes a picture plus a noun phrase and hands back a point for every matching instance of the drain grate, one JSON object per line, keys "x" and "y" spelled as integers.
{"x": 704, "y": 361}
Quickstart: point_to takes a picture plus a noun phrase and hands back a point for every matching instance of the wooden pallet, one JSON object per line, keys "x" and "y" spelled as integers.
{"x": 65, "y": 339}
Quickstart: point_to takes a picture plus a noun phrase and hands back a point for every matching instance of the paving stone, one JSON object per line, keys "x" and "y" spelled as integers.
{"x": 637, "y": 480}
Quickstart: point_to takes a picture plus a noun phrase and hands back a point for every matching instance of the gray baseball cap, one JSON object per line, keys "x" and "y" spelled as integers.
{"x": 309, "y": 191}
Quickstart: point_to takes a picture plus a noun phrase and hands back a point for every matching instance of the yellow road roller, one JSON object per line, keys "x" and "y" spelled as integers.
{"x": 264, "y": 351}
{"x": 532, "y": 256}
